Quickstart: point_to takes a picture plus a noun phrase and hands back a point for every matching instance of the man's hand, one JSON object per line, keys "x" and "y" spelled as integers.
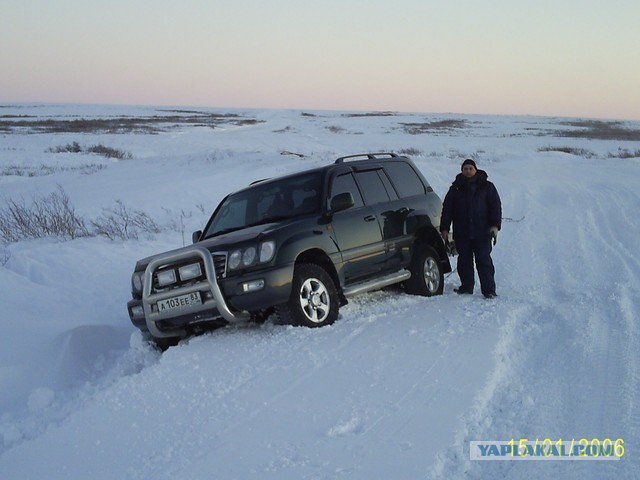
{"x": 494, "y": 234}
{"x": 445, "y": 235}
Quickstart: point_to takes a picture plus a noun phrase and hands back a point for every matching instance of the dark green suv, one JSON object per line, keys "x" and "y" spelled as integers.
{"x": 300, "y": 245}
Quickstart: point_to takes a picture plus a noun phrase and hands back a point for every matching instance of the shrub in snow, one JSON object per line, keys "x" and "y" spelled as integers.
{"x": 53, "y": 215}
{"x": 124, "y": 223}
{"x": 99, "y": 149}
{"x": 68, "y": 148}
{"x": 109, "y": 152}
{"x": 47, "y": 216}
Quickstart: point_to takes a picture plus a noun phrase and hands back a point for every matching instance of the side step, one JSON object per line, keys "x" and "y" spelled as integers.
{"x": 390, "y": 279}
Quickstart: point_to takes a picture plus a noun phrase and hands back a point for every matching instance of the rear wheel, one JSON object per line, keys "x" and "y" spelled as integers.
{"x": 314, "y": 300}
{"x": 427, "y": 276}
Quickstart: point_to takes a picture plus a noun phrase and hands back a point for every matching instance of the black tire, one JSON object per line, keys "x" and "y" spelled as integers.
{"x": 165, "y": 343}
{"x": 314, "y": 301}
{"x": 427, "y": 276}
{"x": 261, "y": 315}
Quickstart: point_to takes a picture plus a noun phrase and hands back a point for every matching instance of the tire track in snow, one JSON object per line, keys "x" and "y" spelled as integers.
{"x": 464, "y": 323}
{"x": 567, "y": 360}
{"x": 276, "y": 386}
{"x": 630, "y": 306}
{"x": 378, "y": 409}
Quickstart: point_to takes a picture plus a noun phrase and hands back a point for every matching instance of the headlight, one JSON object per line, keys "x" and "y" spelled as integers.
{"x": 190, "y": 271}
{"x": 234, "y": 259}
{"x": 249, "y": 256}
{"x": 136, "y": 281}
{"x": 166, "y": 277}
{"x": 267, "y": 250}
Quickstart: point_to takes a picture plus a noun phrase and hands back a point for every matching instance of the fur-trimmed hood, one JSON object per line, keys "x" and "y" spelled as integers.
{"x": 481, "y": 178}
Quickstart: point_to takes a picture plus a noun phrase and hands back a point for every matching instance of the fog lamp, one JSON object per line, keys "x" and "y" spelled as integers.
{"x": 253, "y": 286}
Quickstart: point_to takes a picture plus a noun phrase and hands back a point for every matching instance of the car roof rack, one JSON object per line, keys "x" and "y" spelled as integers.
{"x": 367, "y": 156}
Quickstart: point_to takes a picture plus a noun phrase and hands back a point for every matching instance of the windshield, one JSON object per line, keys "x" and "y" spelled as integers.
{"x": 267, "y": 202}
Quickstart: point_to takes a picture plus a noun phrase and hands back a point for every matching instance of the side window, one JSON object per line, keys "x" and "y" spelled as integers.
{"x": 387, "y": 185}
{"x": 372, "y": 187}
{"x": 270, "y": 204}
{"x": 405, "y": 179}
{"x": 346, "y": 183}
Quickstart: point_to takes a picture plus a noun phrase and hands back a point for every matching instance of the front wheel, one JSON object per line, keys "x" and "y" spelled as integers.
{"x": 427, "y": 276}
{"x": 163, "y": 343}
{"x": 314, "y": 300}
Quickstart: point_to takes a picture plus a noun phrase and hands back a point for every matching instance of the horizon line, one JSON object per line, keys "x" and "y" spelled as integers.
{"x": 20, "y": 104}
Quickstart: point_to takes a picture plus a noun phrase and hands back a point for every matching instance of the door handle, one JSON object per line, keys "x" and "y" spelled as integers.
{"x": 369, "y": 218}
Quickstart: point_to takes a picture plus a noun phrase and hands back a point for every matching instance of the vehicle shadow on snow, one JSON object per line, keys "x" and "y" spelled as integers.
{"x": 270, "y": 320}
{"x": 88, "y": 352}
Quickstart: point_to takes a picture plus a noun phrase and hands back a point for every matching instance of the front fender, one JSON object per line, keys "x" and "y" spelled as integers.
{"x": 318, "y": 238}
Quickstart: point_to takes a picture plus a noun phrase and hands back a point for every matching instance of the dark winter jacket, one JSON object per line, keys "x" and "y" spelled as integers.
{"x": 473, "y": 207}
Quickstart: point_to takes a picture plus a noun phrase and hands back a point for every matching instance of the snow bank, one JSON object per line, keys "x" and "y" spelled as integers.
{"x": 397, "y": 388}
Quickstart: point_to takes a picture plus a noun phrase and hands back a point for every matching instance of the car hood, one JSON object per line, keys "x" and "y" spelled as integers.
{"x": 223, "y": 242}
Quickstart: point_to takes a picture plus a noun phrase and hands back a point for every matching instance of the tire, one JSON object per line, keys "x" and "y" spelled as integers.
{"x": 261, "y": 315}
{"x": 427, "y": 276}
{"x": 314, "y": 301}
{"x": 164, "y": 344}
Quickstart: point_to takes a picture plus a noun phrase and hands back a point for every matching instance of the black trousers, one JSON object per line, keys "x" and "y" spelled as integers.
{"x": 480, "y": 248}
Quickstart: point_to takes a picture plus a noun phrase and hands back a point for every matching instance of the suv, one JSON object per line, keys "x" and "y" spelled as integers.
{"x": 300, "y": 245}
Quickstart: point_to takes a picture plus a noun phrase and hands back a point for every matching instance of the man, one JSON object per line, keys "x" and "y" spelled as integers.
{"x": 473, "y": 205}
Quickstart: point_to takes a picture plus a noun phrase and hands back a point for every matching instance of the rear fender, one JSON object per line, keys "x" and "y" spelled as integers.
{"x": 430, "y": 236}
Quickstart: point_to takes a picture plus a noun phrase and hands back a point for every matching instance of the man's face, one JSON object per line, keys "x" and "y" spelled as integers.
{"x": 468, "y": 171}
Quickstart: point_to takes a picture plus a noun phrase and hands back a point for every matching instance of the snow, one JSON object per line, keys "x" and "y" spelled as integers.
{"x": 397, "y": 388}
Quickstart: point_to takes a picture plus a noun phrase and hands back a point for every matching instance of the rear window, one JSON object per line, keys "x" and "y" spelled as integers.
{"x": 405, "y": 179}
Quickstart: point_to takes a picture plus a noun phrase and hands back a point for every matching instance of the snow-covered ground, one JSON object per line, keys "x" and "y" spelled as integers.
{"x": 397, "y": 388}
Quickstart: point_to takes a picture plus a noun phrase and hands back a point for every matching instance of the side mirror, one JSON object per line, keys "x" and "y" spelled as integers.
{"x": 195, "y": 236}
{"x": 342, "y": 201}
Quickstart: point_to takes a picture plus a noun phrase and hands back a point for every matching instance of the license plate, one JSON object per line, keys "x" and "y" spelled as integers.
{"x": 182, "y": 301}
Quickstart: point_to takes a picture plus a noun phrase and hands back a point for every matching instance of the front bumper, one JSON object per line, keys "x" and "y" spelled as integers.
{"x": 221, "y": 298}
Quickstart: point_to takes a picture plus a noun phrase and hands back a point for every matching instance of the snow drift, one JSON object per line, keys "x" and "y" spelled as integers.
{"x": 397, "y": 388}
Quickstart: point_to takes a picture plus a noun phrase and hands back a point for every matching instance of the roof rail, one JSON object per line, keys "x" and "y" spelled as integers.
{"x": 367, "y": 156}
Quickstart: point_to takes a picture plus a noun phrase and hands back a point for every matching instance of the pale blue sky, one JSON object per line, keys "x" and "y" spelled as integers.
{"x": 562, "y": 57}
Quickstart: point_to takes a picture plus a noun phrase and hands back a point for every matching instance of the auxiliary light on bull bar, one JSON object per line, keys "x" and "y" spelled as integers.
{"x": 166, "y": 277}
{"x": 190, "y": 271}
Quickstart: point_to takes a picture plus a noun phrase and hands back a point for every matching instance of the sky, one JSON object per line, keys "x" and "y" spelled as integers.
{"x": 576, "y": 58}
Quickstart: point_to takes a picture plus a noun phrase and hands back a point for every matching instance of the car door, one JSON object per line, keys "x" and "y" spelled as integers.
{"x": 357, "y": 232}
{"x": 391, "y": 212}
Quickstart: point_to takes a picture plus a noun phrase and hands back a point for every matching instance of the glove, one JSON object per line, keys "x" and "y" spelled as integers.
{"x": 445, "y": 235}
{"x": 494, "y": 234}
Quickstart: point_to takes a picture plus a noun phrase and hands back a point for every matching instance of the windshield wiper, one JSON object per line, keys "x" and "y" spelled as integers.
{"x": 271, "y": 219}
{"x": 222, "y": 232}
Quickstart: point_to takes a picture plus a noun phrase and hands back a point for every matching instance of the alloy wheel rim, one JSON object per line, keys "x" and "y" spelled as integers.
{"x": 431, "y": 275}
{"x": 314, "y": 300}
